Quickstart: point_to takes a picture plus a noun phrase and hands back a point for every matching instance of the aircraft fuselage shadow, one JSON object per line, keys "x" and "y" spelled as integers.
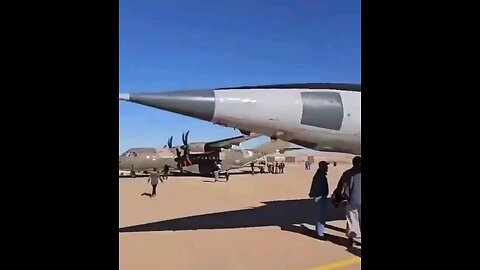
{"x": 273, "y": 213}
{"x": 285, "y": 214}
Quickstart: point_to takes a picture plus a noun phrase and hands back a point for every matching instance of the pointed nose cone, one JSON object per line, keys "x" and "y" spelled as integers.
{"x": 124, "y": 96}
{"x": 198, "y": 104}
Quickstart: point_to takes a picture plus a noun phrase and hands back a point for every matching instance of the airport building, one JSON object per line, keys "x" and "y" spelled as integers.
{"x": 299, "y": 157}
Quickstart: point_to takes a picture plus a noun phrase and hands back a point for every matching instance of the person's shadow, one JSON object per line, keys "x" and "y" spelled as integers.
{"x": 341, "y": 241}
{"x": 147, "y": 194}
{"x": 284, "y": 214}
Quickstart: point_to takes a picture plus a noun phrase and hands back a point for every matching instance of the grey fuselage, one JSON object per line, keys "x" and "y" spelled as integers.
{"x": 143, "y": 159}
{"x": 324, "y": 117}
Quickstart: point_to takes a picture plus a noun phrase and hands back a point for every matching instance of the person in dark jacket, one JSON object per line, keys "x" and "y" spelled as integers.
{"x": 319, "y": 193}
{"x": 344, "y": 181}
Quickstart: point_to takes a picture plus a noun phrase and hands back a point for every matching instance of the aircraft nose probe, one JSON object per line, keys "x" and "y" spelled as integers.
{"x": 124, "y": 97}
{"x": 198, "y": 104}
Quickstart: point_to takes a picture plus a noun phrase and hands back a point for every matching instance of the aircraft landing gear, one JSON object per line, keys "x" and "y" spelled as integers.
{"x": 227, "y": 176}
{"x": 132, "y": 172}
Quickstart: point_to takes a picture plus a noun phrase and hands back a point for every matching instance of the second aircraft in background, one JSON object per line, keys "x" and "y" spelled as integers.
{"x": 199, "y": 157}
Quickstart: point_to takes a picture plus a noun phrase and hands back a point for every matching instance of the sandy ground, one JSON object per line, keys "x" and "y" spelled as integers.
{"x": 251, "y": 222}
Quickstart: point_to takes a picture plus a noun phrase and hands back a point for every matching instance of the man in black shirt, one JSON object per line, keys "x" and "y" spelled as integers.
{"x": 319, "y": 193}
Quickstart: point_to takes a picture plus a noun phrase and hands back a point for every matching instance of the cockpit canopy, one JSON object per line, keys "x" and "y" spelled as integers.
{"x": 129, "y": 153}
{"x": 135, "y": 152}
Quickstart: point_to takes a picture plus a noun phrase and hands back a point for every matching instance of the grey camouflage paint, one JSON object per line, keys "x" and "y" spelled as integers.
{"x": 322, "y": 109}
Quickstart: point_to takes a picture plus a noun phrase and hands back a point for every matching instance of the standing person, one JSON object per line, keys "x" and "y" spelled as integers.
{"x": 319, "y": 193}
{"x": 341, "y": 192}
{"x": 253, "y": 168}
{"x": 282, "y": 166}
{"x": 354, "y": 210}
{"x": 153, "y": 179}
{"x": 165, "y": 171}
{"x": 216, "y": 170}
{"x": 276, "y": 167}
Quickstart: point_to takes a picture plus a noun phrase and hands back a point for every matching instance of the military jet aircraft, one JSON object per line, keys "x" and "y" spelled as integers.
{"x": 319, "y": 116}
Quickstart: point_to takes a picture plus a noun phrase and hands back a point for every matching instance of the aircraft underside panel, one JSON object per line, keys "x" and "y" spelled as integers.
{"x": 203, "y": 163}
{"x": 322, "y": 109}
{"x": 206, "y": 167}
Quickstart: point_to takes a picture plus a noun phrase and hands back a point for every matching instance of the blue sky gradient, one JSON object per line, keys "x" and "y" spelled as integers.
{"x": 194, "y": 44}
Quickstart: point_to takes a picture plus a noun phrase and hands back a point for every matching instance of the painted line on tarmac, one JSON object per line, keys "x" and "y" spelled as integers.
{"x": 338, "y": 264}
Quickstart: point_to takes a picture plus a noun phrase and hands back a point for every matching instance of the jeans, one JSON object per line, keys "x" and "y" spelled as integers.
{"x": 320, "y": 214}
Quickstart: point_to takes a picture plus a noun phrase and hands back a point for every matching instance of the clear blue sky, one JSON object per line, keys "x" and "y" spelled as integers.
{"x": 189, "y": 44}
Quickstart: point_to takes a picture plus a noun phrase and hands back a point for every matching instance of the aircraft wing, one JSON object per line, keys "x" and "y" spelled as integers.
{"x": 291, "y": 149}
{"x": 257, "y": 165}
{"x": 227, "y": 143}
